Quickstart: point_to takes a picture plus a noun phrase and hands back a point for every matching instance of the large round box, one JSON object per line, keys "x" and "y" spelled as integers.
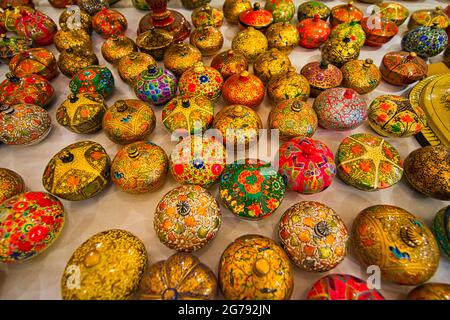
{"x": 282, "y": 36}
{"x": 321, "y": 76}
{"x": 132, "y": 65}
{"x": 181, "y": 277}
{"x": 201, "y": 79}
{"x": 181, "y": 56}
{"x": 244, "y": 89}
{"x": 368, "y": 162}
{"x": 77, "y": 172}
{"x": 38, "y": 61}
{"x": 401, "y": 68}
{"x": 251, "y": 189}
{"x": 340, "y": 109}
{"x": 430, "y": 291}
{"x": 108, "y": 22}
{"x": 11, "y": 184}
{"x": 339, "y": 52}
{"x": 398, "y": 242}
{"x": 187, "y": 218}
{"x": 229, "y": 63}
{"x": 198, "y": 160}
{"x": 29, "y": 222}
{"x": 281, "y": 10}
{"x": 441, "y": 230}
{"x": 307, "y": 165}
{"x": 93, "y": 79}
{"x": 110, "y": 266}
{"x": 313, "y": 32}
{"x": 155, "y": 85}
{"x": 427, "y": 42}
{"x": 270, "y": 64}
{"x": 254, "y": 267}
{"x": 361, "y": 75}
{"x": 250, "y": 43}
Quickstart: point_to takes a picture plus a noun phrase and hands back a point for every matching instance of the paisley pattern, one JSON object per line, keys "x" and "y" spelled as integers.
{"x": 203, "y": 80}
{"x": 11, "y": 184}
{"x": 108, "y": 22}
{"x": 93, "y": 79}
{"x": 441, "y": 230}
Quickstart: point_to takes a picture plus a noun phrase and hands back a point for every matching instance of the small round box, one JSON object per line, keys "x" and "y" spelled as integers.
{"x": 401, "y": 68}
{"x": 65, "y": 39}
{"x": 430, "y": 291}
{"x": 244, "y": 89}
{"x": 345, "y": 13}
{"x": 233, "y": 8}
{"x": 429, "y": 17}
{"x": 10, "y": 46}
{"x": 321, "y": 76}
{"x": 339, "y": 52}
{"x": 155, "y": 42}
{"x": 116, "y": 47}
{"x": 207, "y": 16}
{"x": 180, "y": 56}
{"x": 250, "y": 43}
{"x": 257, "y": 18}
{"x": 107, "y": 22}
{"x": 66, "y": 22}
{"x": 441, "y": 230}
{"x": 271, "y": 64}
{"x": 38, "y": 61}
{"x": 378, "y": 30}
{"x": 229, "y": 63}
{"x": 393, "y": 11}
{"x": 93, "y": 6}
{"x": 281, "y": 10}
{"x": 156, "y": 85}
{"x": 207, "y": 39}
{"x": 427, "y": 42}
{"x": 352, "y": 30}
{"x": 11, "y": 184}
{"x": 201, "y": 79}
{"x": 93, "y": 79}
{"x": 309, "y": 9}
{"x": 132, "y": 65}
{"x": 73, "y": 60}
{"x": 289, "y": 85}
{"x": 282, "y": 36}
{"x": 37, "y": 26}
{"x": 361, "y": 75}
{"x": 313, "y": 32}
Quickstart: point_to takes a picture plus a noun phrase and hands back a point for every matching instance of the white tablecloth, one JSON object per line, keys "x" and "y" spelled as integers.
{"x": 39, "y": 278}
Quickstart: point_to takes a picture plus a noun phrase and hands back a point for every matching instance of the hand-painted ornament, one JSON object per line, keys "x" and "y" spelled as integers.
{"x": 72, "y": 60}
{"x": 351, "y": 30}
{"x": 394, "y": 12}
{"x": 378, "y": 30}
{"x": 201, "y": 79}
{"x": 117, "y": 47}
{"x": 441, "y": 230}
{"x": 430, "y": 291}
{"x": 38, "y": 61}
{"x": 207, "y": 39}
{"x": 198, "y": 161}
{"x": 427, "y": 42}
{"x": 65, "y": 39}
{"x": 238, "y": 124}
{"x": 207, "y": 16}
{"x": 128, "y": 121}
{"x": 251, "y": 189}
{"x": 368, "y": 162}
{"x": 307, "y": 165}
{"x": 254, "y": 267}
{"x": 68, "y": 20}
{"x": 111, "y": 265}
{"x": 321, "y": 76}
{"x": 192, "y": 4}
{"x": 229, "y": 63}
{"x": 342, "y": 287}
{"x": 256, "y": 17}
{"x": 155, "y": 42}
{"x": 290, "y": 85}
{"x": 82, "y": 113}
{"x": 181, "y": 56}
{"x": 398, "y": 242}
{"x": 340, "y": 109}
{"x": 12, "y": 15}
{"x": 401, "y": 68}
{"x": 429, "y": 17}
{"x": 11, "y": 184}
{"x": 345, "y": 13}
{"x": 190, "y": 113}
{"x": 233, "y": 8}
{"x": 9, "y": 47}
{"x": 77, "y": 172}
{"x": 361, "y": 75}
{"x": 93, "y": 6}
{"x": 293, "y": 118}
{"x": 250, "y": 43}
{"x": 155, "y": 85}
{"x": 339, "y": 52}
{"x": 187, "y": 218}
{"x": 313, "y": 32}
{"x": 30, "y": 223}
{"x": 133, "y": 64}
{"x": 282, "y": 36}
{"x": 37, "y": 26}
{"x": 23, "y": 124}
{"x": 427, "y": 169}
{"x": 309, "y": 9}
{"x": 270, "y": 64}
{"x": 93, "y": 79}
{"x": 244, "y": 89}
{"x": 108, "y": 22}
{"x": 281, "y": 10}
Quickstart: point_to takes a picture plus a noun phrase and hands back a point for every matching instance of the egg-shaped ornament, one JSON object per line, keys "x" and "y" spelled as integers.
{"x": 116, "y": 47}
{"x": 37, "y": 26}
{"x": 378, "y": 30}
{"x": 427, "y": 170}
{"x": 293, "y": 118}
{"x": 398, "y": 242}
{"x": 191, "y": 114}
{"x": 155, "y": 41}
{"x": 307, "y": 165}
{"x": 441, "y": 230}
{"x": 281, "y": 10}
{"x": 107, "y": 22}
{"x": 251, "y": 189}
{"x": 181, "y": 277}
{"x": 82, "y": 113}
{"x": 289, "y": 85}
{"x": 187, "y": 218}
{"x": 233, "y": 8}
{"x": 271, "y": 64}
{"x": 352, "y": 30}
{"x": 11, "y": 46}
{"x": 93, "y": 79}
{"x": 128, "y": 121}
{"x": 11, "y": 184}
{"x": 313, "y": 32}
{"x": 369, "y": 163}
{"x": 29, "y": 89}
{"x": 111, "y": 265}
{"x": 198, "y": 160}
{"x": 244, "y": 89}
{"x": 427, "y": 42}
{"x": 256, "y": 17}
{"x": 309, "y": 9}
{"x": 361, "y": 75}
{"x": 342, "y": 287}
{"x": 254, "y": 267}
{"x": 340, "y": 109}
{"x": 192, "y": 4}
{"x": 75, "y": 18}
{"x": 229, "y": 63}
{"x": 345, "y": 13}
{"x": 203, "y": 80}
{"x": 401, "y": 68}
{"x": 133, "y": 64}
{"x": 238, "y": 124}
{"x": 23, "y": 124}
{"x": 180, "y": 56}
{"x": 207, "y": 39}
{"x": 65, "y": 39}
{"x": 339, "y": 52}
{"x": 72, "y": 60}
{"x": 78, "y": 171}
{"x": 93, "y": 6}
{"x": 429, "y": 17}
{"x": 394, "y": 12}
{"x": 38, "y": 61}
{"x": 139, "y": 167}
{"x": 207, "y": 16}
{"x": 250, "y": 43}
{"x": 313, "y": 236}
{"x": 41, "y": 213}
{"x": 321, "y": 76}
{"x": 282, "y": 36}
{"x": 430, "y": 291}
{"x": 155, "y": 85}
{"x": 395, "y": 116}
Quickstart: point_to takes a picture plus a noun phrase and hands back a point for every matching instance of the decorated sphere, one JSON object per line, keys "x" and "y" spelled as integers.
{"x": 11, "y": 46}
{"x": 155, "y": 41}
{"x": 66, "y": 20}
{"x": 207, "y": 16}
{"x": 271, "y": 64}
{"x": 73, "y": 60}
{"x": 321, "y": 76}
{"x": 293, "y": 118}
{"x": 203, "y": 80}
{"x": 77, "y": 172}
{"x": 394, "y": 12}
{"x": 282, "y": 36}
{"x": 155, "y": 85}
{"x": 427, "y": 42}
{"x": 289, "y": 85}
{"x": 111, "y": 265}
{"x": 207, "y": 39}
{"x": 132, "y": 65}
{"x": 339, "y": 52}
{"x": 430, "y": 291}
{"x": 11, "y": 184}
{"x": 181, "y": 56}
{"x": 250, "y": 43}
{"x": 82, "y": 113}
{"x": 128, "y": 121}
{"x": 340, "y": 109}
{"x": 229, "y": 63}
{"x": 93, "y": 79}
{"x": 401, "y": 68}
{"x": 107, "y": 22}
{"x": 198, "y": 160}
{"x": 368, "y": 162}
{"x": 116, "y": 47}
{"x": 378, "y": 30}
{"x": 307, "y": 165}
{"x": 251, "y": 189}
{"x": 351, "y": 30}
{"x": 192, "y": 4}
{"x": 361, "y": 75}
{"x": 244, "y": 89}
{"x": 252, "y": 262}
{"x": 398, "y": 242}
{"x": 281, "y": 10}
{"x": 41, "y": 213}
{"x": 93, "y": 6}
{"x": 345, "y": 13}
{"x": 313, "y": 32}
{"x": 187, "y": 218}
{"x": 394, "y": 116}
{"x": 23, "y": 124}
{"x": 441, "y": 230}
{"x": 38, "y": 61}
{"x": 313, "y": 236}
{"x": 256, "y": 17}
{"x": 37, "y": 26}
{"x": 70, "y": 38}
{"x": 309, "y": 9}
{"x": 233, "y": 8}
